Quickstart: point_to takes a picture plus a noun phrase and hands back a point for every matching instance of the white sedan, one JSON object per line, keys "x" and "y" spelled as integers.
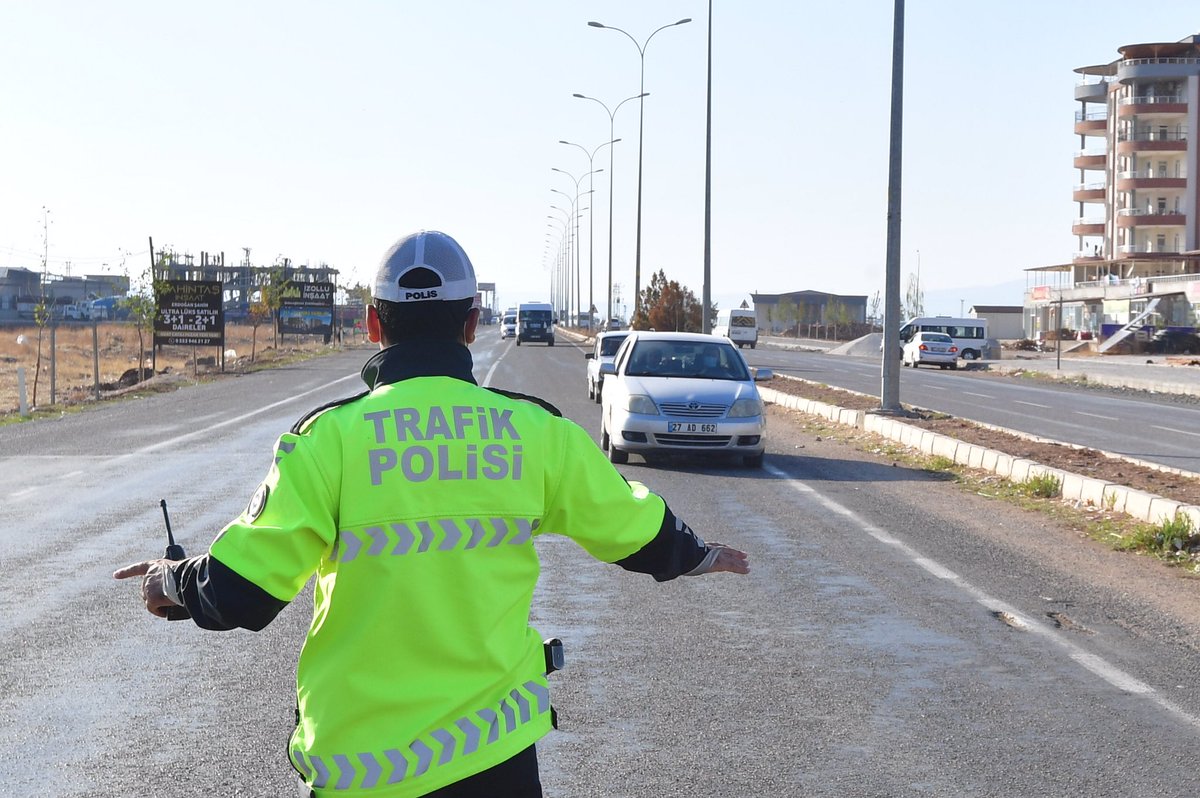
{"x": 933, "y": 348}
{"x": 680, "y": 393}
{"x": 604, "y": 349}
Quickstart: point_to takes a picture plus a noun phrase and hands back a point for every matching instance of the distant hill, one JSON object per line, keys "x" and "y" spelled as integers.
{"x": 956, "y": 301}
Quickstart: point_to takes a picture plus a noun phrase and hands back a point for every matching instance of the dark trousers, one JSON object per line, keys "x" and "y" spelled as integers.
{"x": 513, "y": 778}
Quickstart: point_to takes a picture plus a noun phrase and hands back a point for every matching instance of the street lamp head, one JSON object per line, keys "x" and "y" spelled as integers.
{"x": 596, "y": 25}
{"x": 680, "y": 22}
{"x": 580, "y": 96}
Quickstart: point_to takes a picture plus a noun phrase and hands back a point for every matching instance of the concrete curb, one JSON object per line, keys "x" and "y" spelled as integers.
{"x": 1111, "y": 380}
{"x": 1138, "y": 504}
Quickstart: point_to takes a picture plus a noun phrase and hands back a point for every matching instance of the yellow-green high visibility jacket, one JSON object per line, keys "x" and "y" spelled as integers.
{"x": 416, "y": 506}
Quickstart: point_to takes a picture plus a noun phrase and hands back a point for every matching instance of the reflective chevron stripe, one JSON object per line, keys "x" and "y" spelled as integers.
{"x": 285, "y": 447}
{"x": 444, "y": 534}
{"x": 438, "y": 748}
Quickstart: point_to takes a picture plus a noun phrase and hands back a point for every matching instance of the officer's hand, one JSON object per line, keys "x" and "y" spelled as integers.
{"x": 153, "y": 573}
{"x": 730, "y": 560}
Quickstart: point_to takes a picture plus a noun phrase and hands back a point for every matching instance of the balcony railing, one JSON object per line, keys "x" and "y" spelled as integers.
{"x": 1079, "y": 222}
{"x": 1144, "y": 249}
{"x": 1089, "y": 153}
{"x": 1150, "y": 212}
{"x": 1154, "y": 135}
{"x": 1141, "y": 61}
{"x": 1147, "y": 175}
{"x": 1090, "y": 186}
{"x": 1091, "y": 116}
{"x": 1153, "y": 99}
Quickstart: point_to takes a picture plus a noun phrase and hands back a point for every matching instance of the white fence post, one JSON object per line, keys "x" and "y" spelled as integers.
{"x": 24, "y": 403}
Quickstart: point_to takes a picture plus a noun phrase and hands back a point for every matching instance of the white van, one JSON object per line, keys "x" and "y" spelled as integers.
{"x": 738, "y": 325}
{"x": 535, "y": 322}
{"x": 969, "y": 335}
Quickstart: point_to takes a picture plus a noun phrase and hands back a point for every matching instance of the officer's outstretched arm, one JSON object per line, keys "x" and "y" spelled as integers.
{"x": 678, "y": 551}
{"x": 623, "y": 522}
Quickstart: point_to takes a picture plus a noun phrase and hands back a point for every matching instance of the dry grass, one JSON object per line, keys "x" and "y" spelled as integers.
{"x": 118, "y": 354}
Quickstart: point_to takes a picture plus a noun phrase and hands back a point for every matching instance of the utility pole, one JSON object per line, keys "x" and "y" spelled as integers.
{"x": 889, "y": 399}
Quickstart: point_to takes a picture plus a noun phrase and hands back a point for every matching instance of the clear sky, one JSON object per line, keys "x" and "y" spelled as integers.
{"x": 322, "y": 132}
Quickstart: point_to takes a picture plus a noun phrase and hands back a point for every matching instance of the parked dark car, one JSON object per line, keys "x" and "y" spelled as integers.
{"x": 1174, "y": 342}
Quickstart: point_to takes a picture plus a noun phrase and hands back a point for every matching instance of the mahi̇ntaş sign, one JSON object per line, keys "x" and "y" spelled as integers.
{"x": 190, "y": 313}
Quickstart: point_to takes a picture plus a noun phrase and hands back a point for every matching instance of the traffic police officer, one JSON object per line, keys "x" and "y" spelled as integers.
{"x": 416, "y": 504}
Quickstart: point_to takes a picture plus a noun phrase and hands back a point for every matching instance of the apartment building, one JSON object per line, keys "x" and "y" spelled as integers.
{"x": 1137, "y": 230}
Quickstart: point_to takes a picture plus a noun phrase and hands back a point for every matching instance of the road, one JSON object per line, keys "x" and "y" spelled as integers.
{"x": 1141, "y": 426}
{"x": 896, "y": 637}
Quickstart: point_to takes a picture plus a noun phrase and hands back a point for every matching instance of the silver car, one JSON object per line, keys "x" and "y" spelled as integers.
{"x": 675, "y": 393}
{"x": 933, "y": 348}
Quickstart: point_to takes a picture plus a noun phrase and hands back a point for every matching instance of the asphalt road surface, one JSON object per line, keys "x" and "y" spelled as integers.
{"x": 1139, "y": 425}
{"x": 896, "y": 637}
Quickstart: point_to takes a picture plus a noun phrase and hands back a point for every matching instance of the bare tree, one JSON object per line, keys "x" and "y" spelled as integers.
{"x": 914, "y": 298}
{"x": 43, "y": 310}
{"x": 259, "y": 313}
{"x": 142, "y": 304}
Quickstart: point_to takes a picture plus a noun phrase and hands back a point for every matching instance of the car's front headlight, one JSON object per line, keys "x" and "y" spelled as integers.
{"x": 745, "y": 408}
{"x": 642, "y": 405}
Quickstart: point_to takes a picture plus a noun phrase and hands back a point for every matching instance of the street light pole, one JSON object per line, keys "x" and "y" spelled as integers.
{"x": 592, "y": 218}
{"x": 706, "y": 293}
{"x": 567, "y": 236}
{"x": 641, "y": 48}
{"x": 889, "y": 398}
{"x": 612, "y": 115}
{"x": 556, "y": 298}
{"x": 574, "y": 209}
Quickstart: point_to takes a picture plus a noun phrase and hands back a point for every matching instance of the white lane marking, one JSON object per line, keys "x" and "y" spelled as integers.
{"x": 488, "y": 379}
{"x": 1092, "y": 663}
{"x": 1097, "y": 415}
{"x": 235, "y": 420}
{"x": 933, "y": 387}
{"x": 980, "y": 395}
{"x": 23, "y": 492}
{"x": 1031, "y": 404}
{"x": 1178, "y": 431}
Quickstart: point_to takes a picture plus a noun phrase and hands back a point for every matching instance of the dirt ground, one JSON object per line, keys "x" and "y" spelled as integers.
{"x": 1087, "y": 462}
{"x": 118, "y": 358}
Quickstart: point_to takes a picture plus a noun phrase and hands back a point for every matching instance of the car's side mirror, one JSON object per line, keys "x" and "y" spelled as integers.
{"x": 607, "y": 368}
{"x": 589, "y": 355}
{"x": 762, "y": 374}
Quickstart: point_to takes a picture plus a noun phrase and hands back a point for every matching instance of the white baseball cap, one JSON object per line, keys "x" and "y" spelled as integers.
{"x": 423, "y": 267}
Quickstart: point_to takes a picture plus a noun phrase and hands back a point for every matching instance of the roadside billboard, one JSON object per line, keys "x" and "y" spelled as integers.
{"x": 189, "y": 313}
{"x": 307, "y": 309}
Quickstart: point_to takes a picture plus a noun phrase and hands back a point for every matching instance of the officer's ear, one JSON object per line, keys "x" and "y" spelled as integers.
{"x": 470, "y": 325}
{"x": 374, "y": 328}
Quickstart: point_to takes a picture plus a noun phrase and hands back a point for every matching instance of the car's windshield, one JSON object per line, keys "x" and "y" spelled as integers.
{"x": 610, "y": 344}
{"x": 542, "y": 316}
{"x": 936, "y": 338}
{"x": 699, "y": 359}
